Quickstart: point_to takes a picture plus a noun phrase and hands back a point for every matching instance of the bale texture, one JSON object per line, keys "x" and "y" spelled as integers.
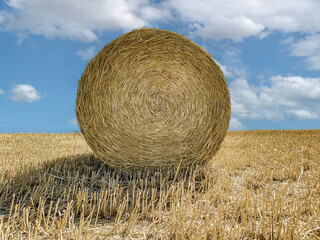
{"x": 153, "y": 98}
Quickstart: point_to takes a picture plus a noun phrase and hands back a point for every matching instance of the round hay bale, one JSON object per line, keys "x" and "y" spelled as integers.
{"x": 153, "y": 98}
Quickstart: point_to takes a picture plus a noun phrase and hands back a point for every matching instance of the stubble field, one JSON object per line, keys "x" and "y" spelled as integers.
{"x": 260, "y": 185}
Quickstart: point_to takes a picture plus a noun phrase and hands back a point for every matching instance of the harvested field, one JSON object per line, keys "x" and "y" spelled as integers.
{"x": 260, "y": 185}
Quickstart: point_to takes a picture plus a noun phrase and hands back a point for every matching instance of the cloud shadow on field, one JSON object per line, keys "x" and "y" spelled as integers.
{"x": 83, "y": 185}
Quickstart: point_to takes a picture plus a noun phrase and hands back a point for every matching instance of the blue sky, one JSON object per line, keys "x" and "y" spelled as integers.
{"x": 268, "y": 50}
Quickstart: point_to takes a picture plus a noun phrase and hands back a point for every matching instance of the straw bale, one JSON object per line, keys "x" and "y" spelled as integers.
{"x": 153, "y": 98}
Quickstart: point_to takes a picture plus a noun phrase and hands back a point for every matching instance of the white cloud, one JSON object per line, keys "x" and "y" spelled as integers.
{"x": 73, "y": 19}
{"x": 226, "y": 71}
{"x": 308, "y": 47}
{"x": 24, "y": 93}
{"x": 303, "y": 114}
{"x": 287, "y": 40}
{"x": 156, "y": 13}
{"x": 231, "y": 72}
{"x": 211, "y": 19}
{"x": 1, "y": 91}
{"x": 218, "y": 19}
{"x": 280, "y": 98}
{"x": 264, "y": 34}
{"x": 236, "y": 28}
{"x": 235, "y": 125}
{"x": 88, "y": 53}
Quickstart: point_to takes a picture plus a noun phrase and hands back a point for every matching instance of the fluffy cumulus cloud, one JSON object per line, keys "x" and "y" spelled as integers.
{"x": 24, "y": 93}
{"x": 88, "y": 53}
{"x": 235, "y": 28}
{"x": 308, "y": 47}
{"x": 211, "y": 19}
{"x": 236, "y": 20}
{"x": 236, "y": 125}
{"x": 73, "y": 19}
{"x": 156, "y": 13}
{"x": 231, "y": 72}
{"x": 292, "y": 97}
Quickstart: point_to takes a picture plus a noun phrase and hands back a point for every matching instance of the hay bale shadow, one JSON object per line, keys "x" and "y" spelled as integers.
{"x": 85, "y": 186}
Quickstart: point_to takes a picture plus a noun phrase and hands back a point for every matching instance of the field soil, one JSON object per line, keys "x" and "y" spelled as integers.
{"x": 260, "y": 185}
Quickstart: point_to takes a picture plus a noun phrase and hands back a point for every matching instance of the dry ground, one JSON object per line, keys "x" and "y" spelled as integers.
{"x": 261, "y": 185}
